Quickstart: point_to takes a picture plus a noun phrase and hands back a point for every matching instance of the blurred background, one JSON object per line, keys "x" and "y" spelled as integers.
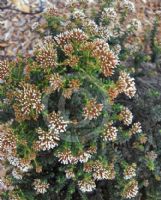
{"x": 18, "y": 18}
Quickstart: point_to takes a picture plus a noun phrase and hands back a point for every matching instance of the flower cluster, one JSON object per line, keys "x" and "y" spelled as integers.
{"x": 53, "y": 12}
{"x": 136, "y": 128}
{"x": 130, "y": 6}
{"x": 108, "y": 60}
{"x": 22, "y": 164}
{"x": 112, "y": 92}
{"x": 125, "y": 84}
{"x": 28, "y": 102}
{"x": 75, "y": 34}
{"x": 135, "y": 25}
{"x": 92, "y": 110}
{"x": 88, "y": 167}
{"x": 126, "y": 116}
{"x": 56, "y": 82}
{"x": 4, "y": 69}
{"x": 46, "y": 58}
{"x": 8, "y": 142}
{"x": 131, "y": 189}
{"x": 67, "y": 93}
{"x": 74, "y": 85}
{"x": 46, "y": 55}
{"x": 83, "y": 157}
{"x": 40, "y": 187}
{"x": 110, "y": 132}
{"x": 72, "y": 61}
{"x": 101, "y": 172}
{"x": 68, "y": 49}
{"x": 130, "y": 171}
{"x": 90, "y": 26}
{"x": 57, "y": 123}
{"x": 86, "y": 185}
{"x": 47, "y": 139}
{"x": 66, "y": 157}
{"x": 78, "y": 14}
{"x": 109, "y": 13}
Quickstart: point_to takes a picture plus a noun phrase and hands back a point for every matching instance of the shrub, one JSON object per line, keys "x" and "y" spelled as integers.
{"x": 64, "y": 133}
